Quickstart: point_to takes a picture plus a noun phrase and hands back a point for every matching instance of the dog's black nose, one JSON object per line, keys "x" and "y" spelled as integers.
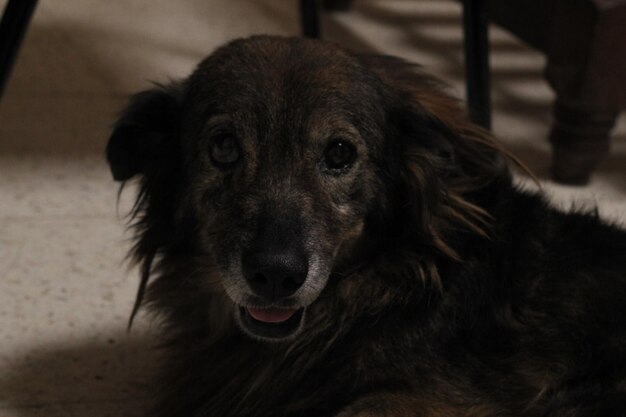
{"x": 275, "y": 274}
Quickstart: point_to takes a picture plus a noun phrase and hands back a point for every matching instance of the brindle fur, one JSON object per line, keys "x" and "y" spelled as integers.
{"x": 448, "y": 291}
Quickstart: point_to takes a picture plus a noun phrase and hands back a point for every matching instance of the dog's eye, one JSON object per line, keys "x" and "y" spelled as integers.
{"x": 339, "y": 155}
{"x": 224, "y": 150}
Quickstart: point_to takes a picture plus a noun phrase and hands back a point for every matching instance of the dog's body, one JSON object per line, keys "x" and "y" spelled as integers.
{"x": 331, "y": 237}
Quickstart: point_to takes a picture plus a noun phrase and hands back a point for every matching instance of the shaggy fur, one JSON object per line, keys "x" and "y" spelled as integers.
{"x": 435, "y": 287}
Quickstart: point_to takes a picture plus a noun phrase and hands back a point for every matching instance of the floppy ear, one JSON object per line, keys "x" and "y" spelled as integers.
{"x": 146, "y": 134}
{"x": 146, "y": 142}
{"x": 426, "y": 117}
{"x": 460, "y": 154}
{"x": 444, "y": 161}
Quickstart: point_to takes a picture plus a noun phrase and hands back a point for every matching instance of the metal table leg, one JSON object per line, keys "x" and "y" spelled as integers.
{"x": 477, "y": 74}
{"x": 309, "y": 17}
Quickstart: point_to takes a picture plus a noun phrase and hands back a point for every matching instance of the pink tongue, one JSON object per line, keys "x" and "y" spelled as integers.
{"x": 271, "y": 315}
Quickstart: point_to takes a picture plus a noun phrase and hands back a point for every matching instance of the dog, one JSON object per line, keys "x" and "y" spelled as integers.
{"x": 323, "y": 233}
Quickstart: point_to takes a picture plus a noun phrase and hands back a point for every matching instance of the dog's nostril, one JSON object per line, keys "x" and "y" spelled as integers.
{"x": 259, "y": 278}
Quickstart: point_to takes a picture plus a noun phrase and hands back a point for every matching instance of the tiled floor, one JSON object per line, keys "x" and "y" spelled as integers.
{"x": 65, "y": 293}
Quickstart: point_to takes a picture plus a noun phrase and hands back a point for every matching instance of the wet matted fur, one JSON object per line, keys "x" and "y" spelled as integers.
{"x": 413, "y": 278}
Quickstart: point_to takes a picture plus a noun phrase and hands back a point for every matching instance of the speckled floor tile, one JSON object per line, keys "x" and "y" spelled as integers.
{"x": 58, "y": 187}
{"x": 64, "y": 303}
{"x": 65, "y": 292}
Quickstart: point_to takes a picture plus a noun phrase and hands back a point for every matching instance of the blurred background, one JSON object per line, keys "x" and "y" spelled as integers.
{"x": 65, "y": 289}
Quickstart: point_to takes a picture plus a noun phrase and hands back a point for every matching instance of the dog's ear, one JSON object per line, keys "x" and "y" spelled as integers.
{"x": 146, "y": 142}
{"x": 426, "y": 120}
{"x": 460, "y": 154}
{"x": 146, "y": 133}
{"x": 431, "y": 179}
{"x": 444, "y": 164}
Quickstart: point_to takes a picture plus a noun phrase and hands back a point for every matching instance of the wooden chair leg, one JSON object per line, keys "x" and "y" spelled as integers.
{"x": 15, "y": 20}
{"x": 586, "y": 62}
{"x": 580, "y": 139}
{"x": 477, "y": 73}
{"x": 309, "y": 17}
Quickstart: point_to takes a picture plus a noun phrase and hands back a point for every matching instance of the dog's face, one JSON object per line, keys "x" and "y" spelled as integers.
{"x": 279, "y": 150}
{"x": 275, "y": 151}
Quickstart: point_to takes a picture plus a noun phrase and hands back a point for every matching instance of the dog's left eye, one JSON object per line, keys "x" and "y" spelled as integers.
{"x": 224, "y": 150}
{"x": 339, "y": 155}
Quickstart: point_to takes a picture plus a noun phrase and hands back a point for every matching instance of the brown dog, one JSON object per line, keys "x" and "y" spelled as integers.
{"x": 325, "y": 234}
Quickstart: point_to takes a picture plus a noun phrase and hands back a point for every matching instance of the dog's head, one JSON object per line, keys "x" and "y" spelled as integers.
{"x": 280, "y": 161}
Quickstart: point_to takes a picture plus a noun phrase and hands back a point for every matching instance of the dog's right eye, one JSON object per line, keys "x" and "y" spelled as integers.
{"x": 339, "y": 155}
{"x": 224, "y": 150}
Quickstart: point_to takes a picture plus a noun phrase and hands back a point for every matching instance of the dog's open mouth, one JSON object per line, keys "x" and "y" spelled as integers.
{"x": 271, "y": 323}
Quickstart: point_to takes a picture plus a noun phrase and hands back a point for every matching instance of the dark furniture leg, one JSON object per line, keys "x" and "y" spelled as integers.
{"x": 585, "y": 44}
{"x": 309, "y": 17}
{"x": 580, "y": 140}
{"x": 337, "y": 5}
{"x": 586, "y": 67}
{"x": 477, "y": 75}
{"x": 15, "y": 19}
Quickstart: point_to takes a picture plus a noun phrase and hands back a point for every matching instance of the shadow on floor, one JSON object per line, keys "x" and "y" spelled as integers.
{"x": 91, "y": 376}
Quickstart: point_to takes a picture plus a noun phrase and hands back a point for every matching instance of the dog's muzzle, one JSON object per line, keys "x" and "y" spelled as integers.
{"x": 273, "y": 276}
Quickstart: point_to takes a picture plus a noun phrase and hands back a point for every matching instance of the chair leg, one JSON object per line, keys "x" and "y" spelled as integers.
{"x": 309, "y": 17}
{"x": 477, "y": 74}
{"x": 580, "y": 138}
{"x": 15, "y": 20}
{"x": 337, "y": 5}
